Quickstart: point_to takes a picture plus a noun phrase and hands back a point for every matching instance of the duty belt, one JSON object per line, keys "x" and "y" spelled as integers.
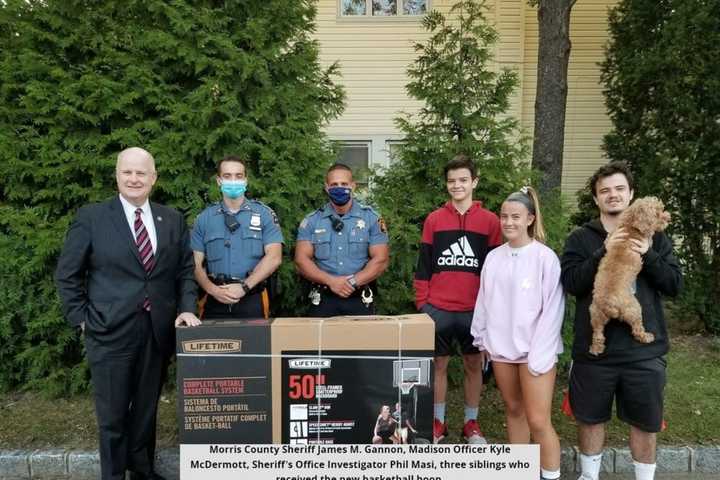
{"x": 222, "y": 279}
{"x": 317, "y": 290}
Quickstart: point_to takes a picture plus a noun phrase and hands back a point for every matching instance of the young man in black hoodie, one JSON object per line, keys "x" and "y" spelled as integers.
{"x": 630, "y": 372}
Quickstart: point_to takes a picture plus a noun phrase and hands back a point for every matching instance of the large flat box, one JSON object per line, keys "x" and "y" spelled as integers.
{"x": 224, "y": 383}
{"x": 306, "y": 380}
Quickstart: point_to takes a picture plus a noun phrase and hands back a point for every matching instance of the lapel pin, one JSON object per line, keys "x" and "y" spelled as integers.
{"x": 159, "y": 219}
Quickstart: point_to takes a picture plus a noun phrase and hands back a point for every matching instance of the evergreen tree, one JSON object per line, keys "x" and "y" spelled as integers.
{"x": 190, "y": 81}
{"x": 662, "y": 88}
{"x": 464, "y": 104}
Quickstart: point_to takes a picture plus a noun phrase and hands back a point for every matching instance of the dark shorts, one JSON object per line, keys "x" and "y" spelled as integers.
{"x": 452, "y": 331}
{"x": 637, "y": 389}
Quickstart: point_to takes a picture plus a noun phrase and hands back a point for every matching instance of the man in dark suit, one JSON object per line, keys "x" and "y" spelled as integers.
{"x": 125, "y": 277}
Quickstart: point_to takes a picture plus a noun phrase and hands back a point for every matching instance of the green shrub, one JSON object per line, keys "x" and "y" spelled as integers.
{"x": 662, "y": 89}
{"x": 464, "y": 105}
{"x": 190, "y": 81}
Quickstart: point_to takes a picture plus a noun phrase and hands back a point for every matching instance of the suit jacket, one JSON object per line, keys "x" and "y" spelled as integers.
{"x": 102, "y": 282}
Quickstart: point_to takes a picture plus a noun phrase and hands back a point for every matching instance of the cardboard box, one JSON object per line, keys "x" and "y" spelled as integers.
{"x": 306, "y": 380}
{"x": 224, "y": 384}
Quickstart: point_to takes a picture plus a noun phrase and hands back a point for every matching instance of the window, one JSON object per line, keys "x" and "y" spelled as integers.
{"x": 414, "y": 7}
{"x": 352, "y": 7}
{"x": 391, "y": 149}
{"x": 356, "y": 155}
{"x": 382, "y": 8}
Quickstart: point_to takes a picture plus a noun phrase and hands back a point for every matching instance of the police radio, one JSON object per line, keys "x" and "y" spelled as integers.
{"x": 231, "y": 222}
{"x": 337, "y": 224}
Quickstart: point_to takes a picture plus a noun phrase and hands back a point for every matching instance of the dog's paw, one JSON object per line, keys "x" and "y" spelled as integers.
{"x": 596, "y": 349}
{"x": 646, "y": 338}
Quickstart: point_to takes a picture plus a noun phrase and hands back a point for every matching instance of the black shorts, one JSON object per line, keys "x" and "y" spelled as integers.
{"x": 637, "y": 388}
{"x": 451, "y": 329}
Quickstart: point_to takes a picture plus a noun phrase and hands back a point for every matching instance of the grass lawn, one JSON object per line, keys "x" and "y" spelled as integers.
{"x": 692, "y": 401}
{"x": 692, "y": 409}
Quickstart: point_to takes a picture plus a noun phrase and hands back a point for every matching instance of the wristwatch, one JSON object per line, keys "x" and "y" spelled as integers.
{"x": 244, "y": 286}
{"x": 352, "y": 281}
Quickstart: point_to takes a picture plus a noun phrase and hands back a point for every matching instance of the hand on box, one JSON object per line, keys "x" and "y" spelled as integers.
{"x": 187, "y": 319}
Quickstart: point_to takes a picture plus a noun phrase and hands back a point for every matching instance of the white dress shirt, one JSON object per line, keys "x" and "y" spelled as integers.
{"x": 147, "y": 219}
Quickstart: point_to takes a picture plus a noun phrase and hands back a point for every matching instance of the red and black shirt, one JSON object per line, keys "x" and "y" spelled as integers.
{"x": 452, "y": 254}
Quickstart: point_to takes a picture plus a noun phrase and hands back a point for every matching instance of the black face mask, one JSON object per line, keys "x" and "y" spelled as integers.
{"x": 231, "y": 222}
{"x": 340, "y": 195}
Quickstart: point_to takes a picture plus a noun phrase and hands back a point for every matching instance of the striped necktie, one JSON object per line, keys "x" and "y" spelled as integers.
{"x": 142, "y": 239}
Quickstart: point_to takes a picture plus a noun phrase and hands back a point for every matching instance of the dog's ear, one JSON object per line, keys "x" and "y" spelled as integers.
{"x": 627, "y": 218}
{"x": 642, "y": 215}
{"x": 662, "y": 218}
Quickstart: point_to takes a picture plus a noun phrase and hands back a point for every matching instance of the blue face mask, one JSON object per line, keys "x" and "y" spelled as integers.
{"x": 233, "y": 188}
{"x": 340, "y": 195}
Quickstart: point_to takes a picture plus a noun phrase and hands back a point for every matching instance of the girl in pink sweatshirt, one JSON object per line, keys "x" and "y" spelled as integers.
{"x": 517, "y": 321}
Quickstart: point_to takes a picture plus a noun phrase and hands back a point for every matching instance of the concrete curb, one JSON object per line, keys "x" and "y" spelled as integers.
{"x": 82, "y": 465}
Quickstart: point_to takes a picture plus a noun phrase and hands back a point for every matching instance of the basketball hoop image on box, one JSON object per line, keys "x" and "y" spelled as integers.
{"x": 412, "y": 380}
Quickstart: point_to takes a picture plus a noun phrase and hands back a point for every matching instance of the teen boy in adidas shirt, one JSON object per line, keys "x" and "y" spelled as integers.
{"x": 455, "y": 240}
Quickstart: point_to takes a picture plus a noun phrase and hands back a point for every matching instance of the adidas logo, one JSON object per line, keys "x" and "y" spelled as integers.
{"x": 459, "y": 255}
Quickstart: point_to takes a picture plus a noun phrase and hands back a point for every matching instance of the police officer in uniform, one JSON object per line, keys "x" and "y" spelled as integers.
{"x": 341, "y": 249}
{"x": 237, "y": 245}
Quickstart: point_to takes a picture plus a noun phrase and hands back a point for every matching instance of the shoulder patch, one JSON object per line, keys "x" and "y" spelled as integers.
{"x": 382, "y": 225}
{"x": 272, "y": 213}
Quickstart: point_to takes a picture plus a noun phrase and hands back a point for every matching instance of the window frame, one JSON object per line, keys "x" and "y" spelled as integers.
{"x": 382, "y": 18}
{"x": 368, "y": 144}
{"x": 389, "y": 143}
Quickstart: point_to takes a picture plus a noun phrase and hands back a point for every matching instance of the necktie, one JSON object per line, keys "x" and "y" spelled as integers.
{"x": 142, "y": 240}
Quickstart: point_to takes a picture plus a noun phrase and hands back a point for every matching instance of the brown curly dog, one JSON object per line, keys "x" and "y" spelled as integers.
{"x": 612, "y": 294}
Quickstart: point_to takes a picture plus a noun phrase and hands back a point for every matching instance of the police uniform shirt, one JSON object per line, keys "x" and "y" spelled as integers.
{"x": 235, "y": 254}
{"x": 345, "y": 252}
